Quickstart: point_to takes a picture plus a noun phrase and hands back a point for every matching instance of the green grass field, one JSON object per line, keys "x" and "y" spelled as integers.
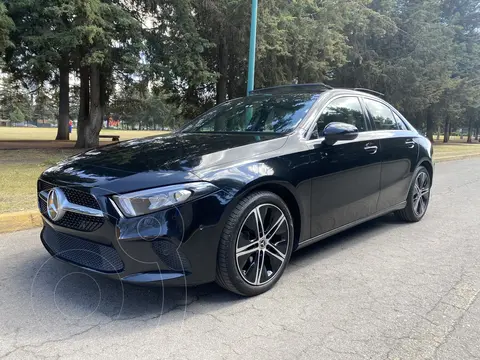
{"x": 443, "y": 152}
{"x": 19, "y": 169}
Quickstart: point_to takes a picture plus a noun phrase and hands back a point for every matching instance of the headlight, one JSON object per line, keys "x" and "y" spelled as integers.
{"x": 151, "y": 200}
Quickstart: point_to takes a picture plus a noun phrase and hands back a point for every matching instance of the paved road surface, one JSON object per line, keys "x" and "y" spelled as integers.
{"x": 385, "y": 290}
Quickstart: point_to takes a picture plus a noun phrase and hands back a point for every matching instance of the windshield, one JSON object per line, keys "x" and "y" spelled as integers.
{"x": 258, "y": 113}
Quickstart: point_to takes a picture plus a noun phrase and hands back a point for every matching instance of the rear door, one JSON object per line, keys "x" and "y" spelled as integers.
{"x": 346, "y": 175}
{"x": 399, "y": 152}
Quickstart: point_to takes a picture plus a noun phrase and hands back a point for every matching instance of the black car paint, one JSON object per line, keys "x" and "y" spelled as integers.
{"x": 329, "y": 187}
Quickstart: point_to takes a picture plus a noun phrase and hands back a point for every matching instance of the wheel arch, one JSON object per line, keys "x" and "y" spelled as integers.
{"x": 279, "y": 187}
{"x": 427, "y": 164}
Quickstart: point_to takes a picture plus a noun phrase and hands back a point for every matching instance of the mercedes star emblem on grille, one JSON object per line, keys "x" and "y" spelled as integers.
{"x": 56, "y": 199}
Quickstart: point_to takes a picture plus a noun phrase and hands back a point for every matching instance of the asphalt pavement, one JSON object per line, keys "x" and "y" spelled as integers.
{"x": 384, "y": 290}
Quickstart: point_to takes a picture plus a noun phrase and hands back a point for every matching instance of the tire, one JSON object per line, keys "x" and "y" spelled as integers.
{"x": 421, "y": 181}
{"x": 243, "y": 240}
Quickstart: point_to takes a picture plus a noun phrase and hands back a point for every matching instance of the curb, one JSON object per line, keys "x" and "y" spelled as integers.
{"x": 22, "y": 220}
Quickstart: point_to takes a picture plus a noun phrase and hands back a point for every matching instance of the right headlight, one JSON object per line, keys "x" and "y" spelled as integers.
{"x": 147, "y": 201}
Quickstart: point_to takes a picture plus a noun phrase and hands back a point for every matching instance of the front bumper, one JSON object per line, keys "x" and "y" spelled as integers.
{"x": 175, "y": 247}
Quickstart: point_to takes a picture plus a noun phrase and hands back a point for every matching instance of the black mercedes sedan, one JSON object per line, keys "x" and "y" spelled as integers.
{"x": 229, "y": 196}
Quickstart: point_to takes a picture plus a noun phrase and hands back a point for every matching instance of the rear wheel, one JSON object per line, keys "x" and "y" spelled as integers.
{"x": 256, "y": 244}
{"x": 418, "y": 197}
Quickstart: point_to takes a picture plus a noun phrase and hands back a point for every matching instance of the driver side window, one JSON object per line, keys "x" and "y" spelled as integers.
{"x": 346, "y": 110}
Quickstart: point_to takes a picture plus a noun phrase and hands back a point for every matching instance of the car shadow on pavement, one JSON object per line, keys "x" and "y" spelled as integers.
{"x": 341, "y": 241}
{"x": 58, "y": 293}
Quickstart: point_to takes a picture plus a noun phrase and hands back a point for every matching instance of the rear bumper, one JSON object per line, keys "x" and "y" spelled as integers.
{"x": 175, "y": 247}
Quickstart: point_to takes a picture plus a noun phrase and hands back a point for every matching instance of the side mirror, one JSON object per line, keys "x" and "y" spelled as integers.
{"x": 337, "y": 131}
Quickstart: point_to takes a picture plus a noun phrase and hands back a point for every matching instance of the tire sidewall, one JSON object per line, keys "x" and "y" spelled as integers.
{"x": 258, "y": 199}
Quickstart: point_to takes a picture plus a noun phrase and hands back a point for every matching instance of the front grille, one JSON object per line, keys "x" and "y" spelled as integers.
{"x": 80, "y": 222}
{"x": 82, "y": 252}
{"x": 81, "y": 198}
{"x": 43, "y": 206}
{"x": 43, "y": 185}
{"x": 73, "y": 220}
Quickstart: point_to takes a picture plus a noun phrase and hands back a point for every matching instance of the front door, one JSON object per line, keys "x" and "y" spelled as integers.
{"x": 346, "y": 181}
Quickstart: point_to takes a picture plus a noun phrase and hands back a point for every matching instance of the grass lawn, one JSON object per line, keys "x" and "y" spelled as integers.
{"x": 23, "y": 133}
{"x": 443, "y": 152}
{"x": 19, "y": 169}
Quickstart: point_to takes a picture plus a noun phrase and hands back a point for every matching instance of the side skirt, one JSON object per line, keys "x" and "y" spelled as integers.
{"x": 350, "y": 225}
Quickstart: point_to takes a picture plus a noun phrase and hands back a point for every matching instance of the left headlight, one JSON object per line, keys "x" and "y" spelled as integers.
{"x": 147, "y": 201}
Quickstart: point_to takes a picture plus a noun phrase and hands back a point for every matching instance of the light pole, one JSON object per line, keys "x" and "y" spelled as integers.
{"x": 253, "y": 46}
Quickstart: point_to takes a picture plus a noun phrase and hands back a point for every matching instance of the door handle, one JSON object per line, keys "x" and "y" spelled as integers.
{"x": 371, "y": 148}
{"x": 410, "y": 143}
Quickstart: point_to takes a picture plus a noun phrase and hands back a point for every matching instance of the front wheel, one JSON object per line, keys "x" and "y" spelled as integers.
{"x": 418, "y": 197}
{"x": 256, "y": 244}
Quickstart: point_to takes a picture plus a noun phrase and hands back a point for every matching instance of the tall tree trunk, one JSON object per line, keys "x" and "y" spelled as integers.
{"x": 223, "y": 71}
{"x": 103, "y": 96}
{"x": 430, "y": 124}
{"x": 438, "y": 132}
{"x": 64, "y": 106}
{"x": 84, "y": 108}
{"x": 94, "y": 124}
{"x": 231, "y": 87}
{"x": 35, "y": 121}
{"x": 90, "y": 113}
{"x": 470, "y": 128}
{"x": 476, "y": 131}
{"x": 446, "y": 130}
{"x": 222, "y": 80}
{"x": 418, "y": 120}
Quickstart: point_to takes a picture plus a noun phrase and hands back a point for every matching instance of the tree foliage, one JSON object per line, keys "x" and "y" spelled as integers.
{"x": 159, "y": 62}
{"x": 14, "y": 101}
{"x": 140, "y": 108}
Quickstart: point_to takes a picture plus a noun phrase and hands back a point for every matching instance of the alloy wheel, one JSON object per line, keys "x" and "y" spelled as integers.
{"x": 262, "y": 244}
{"x": 421, "y": 193}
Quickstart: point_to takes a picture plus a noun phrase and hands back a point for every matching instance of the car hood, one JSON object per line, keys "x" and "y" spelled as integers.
{"x": 158, "y": 160}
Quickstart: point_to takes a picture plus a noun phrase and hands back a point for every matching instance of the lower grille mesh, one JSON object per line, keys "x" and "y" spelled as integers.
{"x": 80, "y": 222}
{"x": 169, "y": 253}
{"x": 82, "y": 252}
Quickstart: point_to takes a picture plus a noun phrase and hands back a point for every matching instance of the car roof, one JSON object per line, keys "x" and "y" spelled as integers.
{"x": 316, "y": 88}
{"x": 292, "y": 89}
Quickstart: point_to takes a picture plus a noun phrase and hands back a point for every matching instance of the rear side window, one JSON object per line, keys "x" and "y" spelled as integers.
{"x": 382, "y": 116}
{"x": 400, "y": 123}
{"x": 345, "y": 109}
